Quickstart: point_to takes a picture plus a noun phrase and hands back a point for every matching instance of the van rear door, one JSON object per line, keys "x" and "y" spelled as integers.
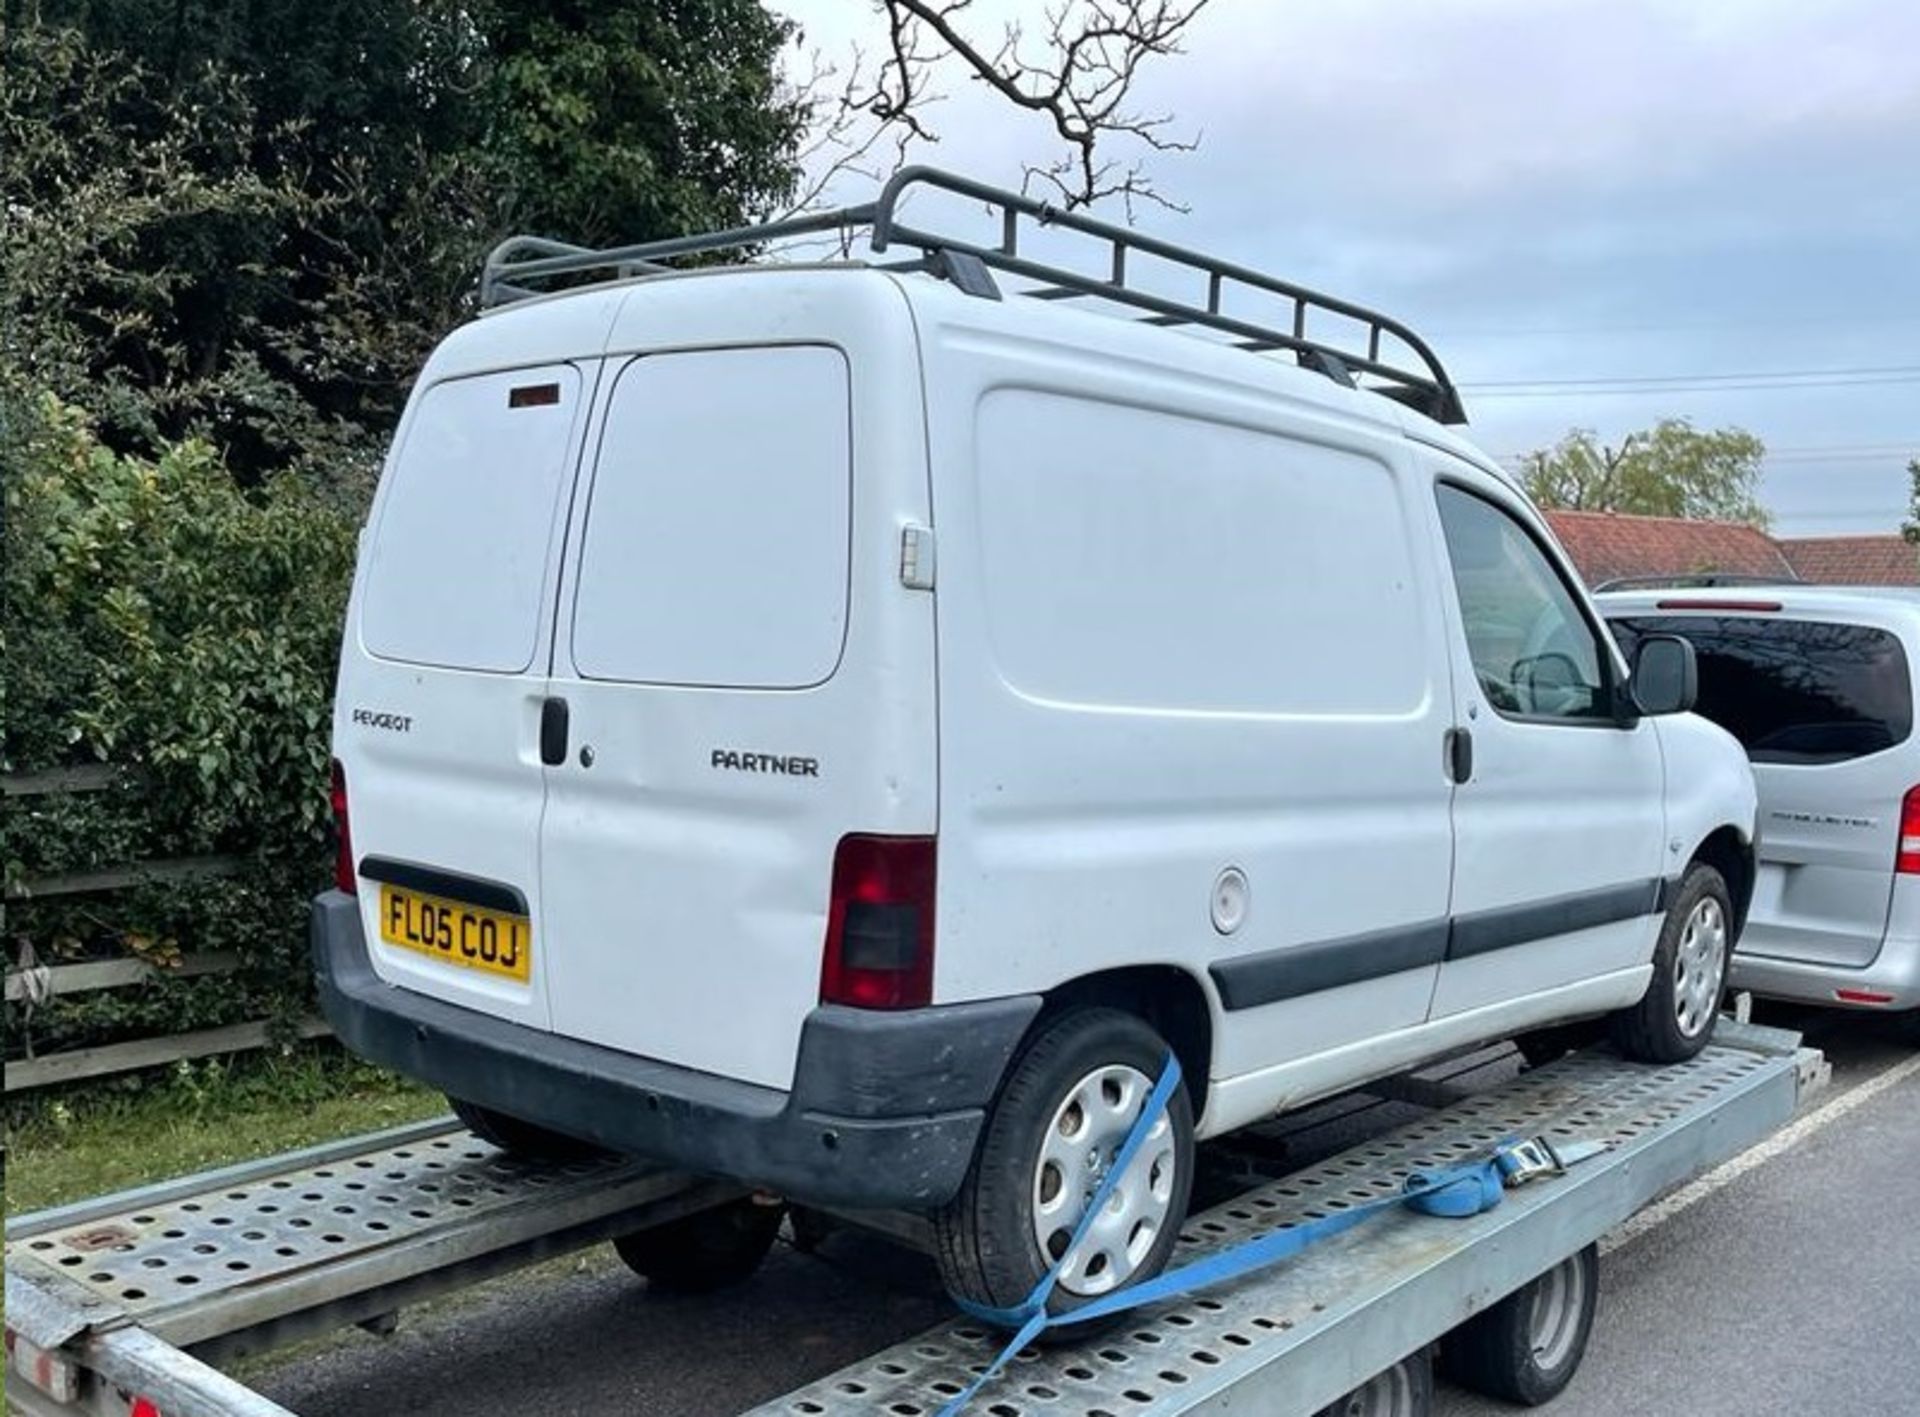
{"x": 702, "y": 621}
{"x": 442, "y": 681}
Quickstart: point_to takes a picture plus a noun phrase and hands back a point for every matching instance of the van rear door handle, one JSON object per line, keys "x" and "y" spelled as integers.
{"x": 1459, "y": 753}
{"x": 553, "y": 732}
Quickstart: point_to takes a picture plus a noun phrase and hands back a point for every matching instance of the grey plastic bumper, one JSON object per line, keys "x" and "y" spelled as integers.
{"x": 885, "y": 1110}
{"x": 1894, "y": 971}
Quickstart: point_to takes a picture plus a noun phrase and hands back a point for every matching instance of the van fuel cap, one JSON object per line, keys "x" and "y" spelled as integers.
{"x": 1231, "y": 898}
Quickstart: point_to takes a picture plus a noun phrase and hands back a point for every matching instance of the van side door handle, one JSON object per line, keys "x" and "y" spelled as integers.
{"x": 553, "y": 732}
{"x": 1458, "y": 745}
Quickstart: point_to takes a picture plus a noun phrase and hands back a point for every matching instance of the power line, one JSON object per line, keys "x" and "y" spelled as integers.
{"x": 1762, "y": 378}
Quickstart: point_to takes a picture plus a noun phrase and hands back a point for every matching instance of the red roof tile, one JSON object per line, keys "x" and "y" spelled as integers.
{"x": 1853, "y": 560}
{"x": 1608, "y": 546}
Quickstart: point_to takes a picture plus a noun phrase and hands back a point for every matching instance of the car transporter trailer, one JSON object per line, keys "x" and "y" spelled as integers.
{"x": 119, "y": 1307}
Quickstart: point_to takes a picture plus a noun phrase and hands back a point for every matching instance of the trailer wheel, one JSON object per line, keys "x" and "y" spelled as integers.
{"x": 1404, "y": 1390}
{"x": 518, "y": 1138}
{"x": 1065, "y": 1109}
{"x": 708, "y": 1250}
{"x": 1675, "y": 1019}
{"x": 1527, "y": 1347}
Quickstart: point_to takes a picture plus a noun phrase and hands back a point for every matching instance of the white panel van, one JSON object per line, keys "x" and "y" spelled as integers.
{"x": 843, "y": 728}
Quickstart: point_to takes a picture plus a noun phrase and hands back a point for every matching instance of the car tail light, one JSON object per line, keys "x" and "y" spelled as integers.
{"x": 344, "y": 876}
{"x": 879, "y": 950}
{"x": 1759, "y": 607}
{"x": 1907, "y": 863}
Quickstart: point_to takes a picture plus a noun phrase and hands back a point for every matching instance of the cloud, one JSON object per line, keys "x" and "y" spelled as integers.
{"x": 1565, "y": 188}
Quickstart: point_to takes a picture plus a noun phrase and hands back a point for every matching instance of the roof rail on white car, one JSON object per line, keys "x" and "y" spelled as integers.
{"x": 522, "y": 259}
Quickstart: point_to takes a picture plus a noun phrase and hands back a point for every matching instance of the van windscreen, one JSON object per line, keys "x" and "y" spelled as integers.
{"x": 1794, "y": 691}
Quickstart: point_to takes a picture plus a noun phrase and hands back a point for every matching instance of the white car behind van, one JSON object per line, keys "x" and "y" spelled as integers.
{"x": 1817, "y": 683}
{"x": 843, "y": 728}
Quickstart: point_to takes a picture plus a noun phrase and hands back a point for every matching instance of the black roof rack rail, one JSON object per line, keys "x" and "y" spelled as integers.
{"x": 521, "y": 259}
{"x": 1698, "y": 580}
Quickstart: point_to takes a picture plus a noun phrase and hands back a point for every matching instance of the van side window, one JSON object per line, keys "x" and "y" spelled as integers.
{"x": 1794, "y": 691}
{"x": 1534, "y": 653}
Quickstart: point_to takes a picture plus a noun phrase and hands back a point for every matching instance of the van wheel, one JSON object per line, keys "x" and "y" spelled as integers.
{"x": 1675, "y": 1019}
{"x": 1062, "y": 1115}
{"x": 518, "y": 1138}
{"x": 708, "y": 1250}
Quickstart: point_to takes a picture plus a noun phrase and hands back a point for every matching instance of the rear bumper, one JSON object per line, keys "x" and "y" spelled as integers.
{"x": 885, "y": 1110}
{"x": 1894, "y": 971}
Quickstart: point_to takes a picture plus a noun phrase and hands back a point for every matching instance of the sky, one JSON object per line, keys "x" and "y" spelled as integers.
{"x": 1718, "y": 200}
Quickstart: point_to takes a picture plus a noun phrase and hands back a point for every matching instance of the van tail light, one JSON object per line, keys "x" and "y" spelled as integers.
{"x": 879, "y": 950}
{"x": 344, "y": 876}
{"x": 1907, "y": 863}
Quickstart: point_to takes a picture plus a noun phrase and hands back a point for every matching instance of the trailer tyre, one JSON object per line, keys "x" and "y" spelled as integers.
{"x": 518, "y": 1138}
{"x": 1066, "y": 1106}
{"x": 1527, "y": 1347}
{"x": 1404, "y": 1390}
{"x": 1675, "y": 1019}
{"x": 708, "y": 1250}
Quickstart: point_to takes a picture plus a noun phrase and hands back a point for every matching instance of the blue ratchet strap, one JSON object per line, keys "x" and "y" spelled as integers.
{"x": 1458, "y": 1192}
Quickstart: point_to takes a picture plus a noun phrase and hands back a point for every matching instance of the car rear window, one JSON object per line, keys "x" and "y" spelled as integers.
{"x": 1794, "y": 691}
{"x": 457, "y": 558}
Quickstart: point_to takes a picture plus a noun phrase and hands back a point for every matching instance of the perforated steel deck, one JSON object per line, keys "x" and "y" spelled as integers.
{"x": 1411, "y": 1277}
{"x": 189, "y": 1265}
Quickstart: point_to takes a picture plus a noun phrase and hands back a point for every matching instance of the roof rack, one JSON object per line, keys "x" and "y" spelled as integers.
{"x": 1699, "y": 580}
{"x": 522, "y": 259}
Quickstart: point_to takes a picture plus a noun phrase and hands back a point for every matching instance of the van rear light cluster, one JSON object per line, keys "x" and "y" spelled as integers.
{"x": 879, "y": 950}
{"x": 344, "y": 876}
{"x": 1907, "y": 863}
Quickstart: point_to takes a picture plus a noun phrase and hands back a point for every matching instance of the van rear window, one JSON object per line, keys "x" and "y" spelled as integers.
{"x": 457, "y": 557}
{"x": 716, "y": 547}
{"x": 1794, "y": 691}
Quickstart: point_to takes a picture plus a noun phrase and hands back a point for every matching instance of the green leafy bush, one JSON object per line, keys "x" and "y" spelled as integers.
{"x": 162, "y": 619}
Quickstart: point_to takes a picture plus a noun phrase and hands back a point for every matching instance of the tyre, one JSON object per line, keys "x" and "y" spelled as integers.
{"x": 518, "y": 1138}
{"x": 708, "y": 1250}
{"x": 1527, "y": 1347}
{"x": 1404, "y": 1390}
{"x": 1675, "y": 1019}
{"x": 1547, "y": 1045}
{"x": 1062, "y": 1114}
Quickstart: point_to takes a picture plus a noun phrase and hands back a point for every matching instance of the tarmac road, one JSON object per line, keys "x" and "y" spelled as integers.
{"x": 1794, "y": 1287}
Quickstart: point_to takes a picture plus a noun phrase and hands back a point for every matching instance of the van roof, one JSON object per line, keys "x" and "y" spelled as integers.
{"x": 1253, "y": 312}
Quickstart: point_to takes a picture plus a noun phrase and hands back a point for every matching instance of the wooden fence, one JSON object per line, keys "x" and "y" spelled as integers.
{"x": 38, "y": 982}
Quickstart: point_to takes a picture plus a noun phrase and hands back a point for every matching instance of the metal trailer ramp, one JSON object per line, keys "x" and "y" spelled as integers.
{"x": 138, "y": 1294}
{"x": 252, "y": 1257}
{"x": 1291, "y": 1341}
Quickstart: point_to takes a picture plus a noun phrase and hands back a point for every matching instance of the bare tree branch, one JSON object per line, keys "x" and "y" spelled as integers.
{"x": 1076, "y": 74}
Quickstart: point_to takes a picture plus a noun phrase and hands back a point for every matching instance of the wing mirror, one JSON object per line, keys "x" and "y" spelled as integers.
{"x": 1666, "y": 675}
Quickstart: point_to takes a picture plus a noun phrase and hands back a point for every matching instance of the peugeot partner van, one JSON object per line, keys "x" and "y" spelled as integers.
{"x": 1817, "y": 682}
{"x": 843, "y": 728}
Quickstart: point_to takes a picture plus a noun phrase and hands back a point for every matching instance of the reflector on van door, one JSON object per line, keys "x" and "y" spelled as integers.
{"x": 533, "y": 396}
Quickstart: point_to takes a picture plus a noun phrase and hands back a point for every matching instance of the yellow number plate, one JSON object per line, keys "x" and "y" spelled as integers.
{"x": 461, "y": 934}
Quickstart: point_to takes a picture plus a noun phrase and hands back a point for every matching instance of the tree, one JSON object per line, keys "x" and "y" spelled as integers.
{"x": 1670, "y": 470}
{"x": 1910, "y": 528}
{"x": 248, "y": 220}
{"x": 1075, "y": 76}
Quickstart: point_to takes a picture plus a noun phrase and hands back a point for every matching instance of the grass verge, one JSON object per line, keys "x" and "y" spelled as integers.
{"x": 105, "y": 1136}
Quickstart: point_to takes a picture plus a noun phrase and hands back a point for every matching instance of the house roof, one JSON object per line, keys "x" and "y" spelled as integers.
{"x": 1853, "y": 560}
{"x": 1608, "y": 546}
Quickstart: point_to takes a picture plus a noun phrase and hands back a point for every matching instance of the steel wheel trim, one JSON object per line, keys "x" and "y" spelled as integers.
{"x": 1699, "y": 967}
{"x": 1388, "y": 1394}
{"x": 1084, "y": 1136}
{"x": 1553, "y": 1319}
